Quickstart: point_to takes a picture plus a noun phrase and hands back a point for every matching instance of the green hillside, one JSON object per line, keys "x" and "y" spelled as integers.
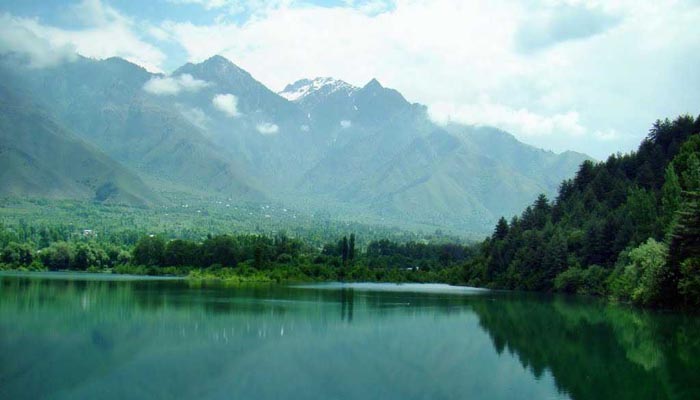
{"x": 39, "y": 158}
{"x": 104, "y": 103}
{"x": 626, "y": 227}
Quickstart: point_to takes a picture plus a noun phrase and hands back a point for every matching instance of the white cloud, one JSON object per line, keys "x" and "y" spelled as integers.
{"x": 520, "y": 121}
{"x": 544, "y": 69}
{"x": 609, "y": 135}
{"x": 168, "y": 85}
{"x": 207, "y": 4}
{"x": 95, "y": 13}
{"x": 594, "y": 66}
{"x": 236, "y": 7}
{"x": 370, "y": 7}
{"x": 345, "y": 123}
{"x": 104, "y": 33}
{"x": 267, "y": 128}
{"x": 158, "y": 34}
{"x": 196, "y": 116}
{"x": 226, "y": 103}
{"x": 27, "y": 38}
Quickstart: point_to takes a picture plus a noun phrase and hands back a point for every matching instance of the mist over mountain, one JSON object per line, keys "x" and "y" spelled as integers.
{"x": 211, "y": 129}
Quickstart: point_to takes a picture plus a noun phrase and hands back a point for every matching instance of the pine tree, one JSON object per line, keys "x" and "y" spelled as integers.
{"x": 258, "y": 256}
{"x": 501, "y": 230}
{"x": 584, "y": 175}
{"x": 351, "y": 248}
{"x": 670, "y": 195}
{"x": 685, "y": 243}
{"x": 344, "y": 249}
{"x": 691, "y": 177}
{"x": 555, "y": 256}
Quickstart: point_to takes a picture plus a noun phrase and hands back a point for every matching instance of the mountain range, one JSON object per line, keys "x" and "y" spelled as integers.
{"x": 110, "y": 131}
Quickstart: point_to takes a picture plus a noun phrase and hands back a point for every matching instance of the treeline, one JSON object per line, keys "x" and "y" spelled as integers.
{"x": 278, "y": 257}
{"x": 626, "y": 227}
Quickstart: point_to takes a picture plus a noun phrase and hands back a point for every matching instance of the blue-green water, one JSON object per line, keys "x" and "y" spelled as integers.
{"x": 90, "y": 337}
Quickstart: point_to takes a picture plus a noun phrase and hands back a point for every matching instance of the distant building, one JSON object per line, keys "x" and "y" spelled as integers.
{"x": 89, "y": 232}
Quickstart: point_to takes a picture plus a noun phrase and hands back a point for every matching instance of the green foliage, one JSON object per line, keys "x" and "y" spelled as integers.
{"x": 88, "y": 255}
{"x": 58, "y": 256}
{"x": 17, "y": 254}
{"x": 629, "y": 201}
{"x": 589, "y": 281}
{"x": 149, "y": 251}
{"x": 180, "y": 253}
{"x": 245, "y": 258}
{"x": 642, "y": 279}
{"x": 689, "y": 282}
{"x": 691, "y": 177}
{"x": 684, "y": 251}
{"x": 670, "y": 195}
{"x": 351, "y": 247}
{"x": 501, "y": 230}
{"x": 220, "y": 250}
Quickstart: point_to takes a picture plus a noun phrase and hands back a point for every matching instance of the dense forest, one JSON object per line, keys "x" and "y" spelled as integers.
{"x": 626, "y": 228}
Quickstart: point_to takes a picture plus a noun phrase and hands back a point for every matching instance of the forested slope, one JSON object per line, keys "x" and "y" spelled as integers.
{"x": 610, "y": 228}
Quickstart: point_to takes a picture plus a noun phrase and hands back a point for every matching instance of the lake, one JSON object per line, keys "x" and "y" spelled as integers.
{"x": 78, "y": 336}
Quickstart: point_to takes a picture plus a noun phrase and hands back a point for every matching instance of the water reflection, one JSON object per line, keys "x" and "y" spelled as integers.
{"x": 171, "y": 339}
{"x": 347, "y": 300}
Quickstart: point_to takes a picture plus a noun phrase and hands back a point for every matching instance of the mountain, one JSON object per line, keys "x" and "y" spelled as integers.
{"x": 267, "y": 133}
{"x": 39, "y": 158}
{"x": 317, "y": 90}
{"x": 211, "y": 129}
{"x": 386, "y": 157}
{"x": 105, "y": 104}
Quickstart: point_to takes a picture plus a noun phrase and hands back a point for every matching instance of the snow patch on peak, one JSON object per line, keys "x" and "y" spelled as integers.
{"x": 304, "y": 87}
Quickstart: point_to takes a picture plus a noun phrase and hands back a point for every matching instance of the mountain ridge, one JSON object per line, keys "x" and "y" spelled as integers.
{"x": 213, "y": 129}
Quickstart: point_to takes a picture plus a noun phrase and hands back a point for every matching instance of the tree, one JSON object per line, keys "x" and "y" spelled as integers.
{"x": 86, "y": 256}
{"x": 17, "y": 254}
{"x": 351, "y": 247}
{"x": 641, "y": 206}
{"x": 181, "y": 253}
{"x": 149, "y": 251}
{"x": 642, "y": 278}
{"x": 584, "y": 175}
{"x": 670, "y": 195}
{"x": 689, "y": 282}
{"x": 501, "y": 230}
{"x": 223, "y": 250}
{"x": 344, "y": 249}
{"x": 258, "y": 256}
{"x": 555, "y": 256}
{"x": 58, "y": 256}
{"x": 649, "y": 259}
{"x": 685, "y": 245}
{"x": 691, "y": 177}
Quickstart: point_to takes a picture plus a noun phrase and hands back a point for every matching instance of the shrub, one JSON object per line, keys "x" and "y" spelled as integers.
{"x": 689, "y": 283}
{"x": 640, "y": 280}
{"x": 589, "y": 281}
{"x": 569, "y": 280}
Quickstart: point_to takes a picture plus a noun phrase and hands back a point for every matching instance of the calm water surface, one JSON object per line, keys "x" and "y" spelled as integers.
{"x": 68, "y": 336}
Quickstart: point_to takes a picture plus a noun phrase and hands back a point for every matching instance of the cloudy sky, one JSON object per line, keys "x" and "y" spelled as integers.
{"x": 584, "y": 75}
